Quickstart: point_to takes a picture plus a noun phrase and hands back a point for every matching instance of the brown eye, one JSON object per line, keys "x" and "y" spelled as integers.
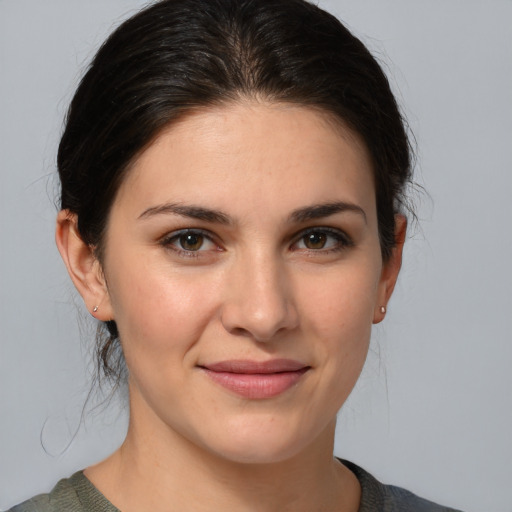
{"x": 191, "y": 241}
{"x": 322, "y": 240}
{"x": 315, "y": 240}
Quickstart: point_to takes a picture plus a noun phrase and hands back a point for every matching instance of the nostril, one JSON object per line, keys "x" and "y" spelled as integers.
{"x": 259, "y": 302}
{"x": 251, "y": 333}
{"x": 240, "y": 331}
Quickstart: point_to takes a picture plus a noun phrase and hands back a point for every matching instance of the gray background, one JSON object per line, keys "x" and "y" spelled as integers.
{"x": 433, "y": 409}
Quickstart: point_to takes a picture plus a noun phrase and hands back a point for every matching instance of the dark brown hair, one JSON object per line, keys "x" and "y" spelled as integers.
{"x": 179, "y": 55}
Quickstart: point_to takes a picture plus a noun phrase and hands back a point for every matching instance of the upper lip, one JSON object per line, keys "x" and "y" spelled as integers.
{"x": 256, "y": 367}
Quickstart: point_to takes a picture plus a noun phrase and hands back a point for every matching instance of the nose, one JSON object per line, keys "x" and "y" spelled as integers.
{"x": 259, "y": 300}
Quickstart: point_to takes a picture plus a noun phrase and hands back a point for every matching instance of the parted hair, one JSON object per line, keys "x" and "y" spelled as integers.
{"x": 176, "y": 56}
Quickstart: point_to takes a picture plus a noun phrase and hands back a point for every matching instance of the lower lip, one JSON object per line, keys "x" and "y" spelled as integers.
{"x": 257, "y": 385}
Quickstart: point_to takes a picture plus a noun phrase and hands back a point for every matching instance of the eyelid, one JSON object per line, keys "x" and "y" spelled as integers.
{"x": 343, "y": 239}
{"x": 168, "y": 239}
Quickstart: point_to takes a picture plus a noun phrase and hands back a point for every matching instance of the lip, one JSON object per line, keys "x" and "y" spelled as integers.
{"x": 256, "y": 379}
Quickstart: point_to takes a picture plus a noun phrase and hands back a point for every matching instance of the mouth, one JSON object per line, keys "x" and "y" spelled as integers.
{"x": 254, "y": 379}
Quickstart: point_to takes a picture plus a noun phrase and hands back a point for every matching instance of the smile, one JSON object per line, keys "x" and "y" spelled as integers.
{"x": 256, "y": 380}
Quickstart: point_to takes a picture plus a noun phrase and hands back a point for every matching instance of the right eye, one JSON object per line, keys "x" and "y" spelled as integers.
{"x": 189, "y": 241}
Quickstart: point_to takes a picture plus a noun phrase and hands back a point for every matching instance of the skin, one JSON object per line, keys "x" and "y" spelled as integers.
{"x": 255, "y": 287}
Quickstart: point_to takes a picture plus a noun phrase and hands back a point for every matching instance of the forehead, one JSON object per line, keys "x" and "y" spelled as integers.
{"x": 259, "y": 155}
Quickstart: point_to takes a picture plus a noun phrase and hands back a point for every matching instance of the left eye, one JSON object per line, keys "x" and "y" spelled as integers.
{"x": 189, "y": 241}
{"x": 322, "y": 240}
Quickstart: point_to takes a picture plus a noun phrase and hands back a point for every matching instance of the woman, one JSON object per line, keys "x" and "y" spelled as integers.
{"x": 233, "y": 177}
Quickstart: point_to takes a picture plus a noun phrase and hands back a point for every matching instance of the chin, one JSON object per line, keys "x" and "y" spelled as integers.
{"x": 271, "y": 444}
{"x": 257, "y": 454}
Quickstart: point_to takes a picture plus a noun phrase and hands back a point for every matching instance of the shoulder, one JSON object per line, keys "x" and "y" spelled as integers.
{"x": 74, "y": 494}
{"x": 36, "y": 504}
{"x": 62, "y": 497}
{"x": 376, "y": 496}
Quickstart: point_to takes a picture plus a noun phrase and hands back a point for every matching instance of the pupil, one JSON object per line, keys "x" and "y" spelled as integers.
{"x": 191, "y": 241}
{"x": 316, "y": 240}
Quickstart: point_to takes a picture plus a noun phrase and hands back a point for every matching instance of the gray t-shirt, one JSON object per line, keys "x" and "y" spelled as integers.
{"x": 77, "y": 494}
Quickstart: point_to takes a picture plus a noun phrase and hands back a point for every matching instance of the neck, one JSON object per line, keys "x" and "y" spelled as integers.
{"x": 156, "y": 466}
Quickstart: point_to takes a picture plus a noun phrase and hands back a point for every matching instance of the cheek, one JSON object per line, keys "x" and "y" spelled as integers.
{"x": 342, "y": 301}
{"x": 338, "y": 314}
{"x": 158, "y": 310}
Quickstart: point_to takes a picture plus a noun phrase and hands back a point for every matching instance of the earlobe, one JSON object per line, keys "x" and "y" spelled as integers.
{"x": 83, "y": 266}
{"x": 390, "y": 270}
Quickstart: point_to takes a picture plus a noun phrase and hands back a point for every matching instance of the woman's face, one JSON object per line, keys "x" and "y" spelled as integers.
{"x": 244, "y": 272}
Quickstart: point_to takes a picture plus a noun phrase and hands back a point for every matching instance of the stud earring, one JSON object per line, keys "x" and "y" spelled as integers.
{"x": 383, "y": 310}
{"x": 95, "y": 309}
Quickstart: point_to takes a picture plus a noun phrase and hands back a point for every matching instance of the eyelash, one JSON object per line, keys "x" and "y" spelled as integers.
{"x": 341, "y": 241}
{"x": 169, "y": 241}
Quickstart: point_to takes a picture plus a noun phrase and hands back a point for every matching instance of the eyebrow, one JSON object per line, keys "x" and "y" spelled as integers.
{"x": 319, "y": 211}
{"x": 192, "y": 212}
{"x": 305, "y": 214}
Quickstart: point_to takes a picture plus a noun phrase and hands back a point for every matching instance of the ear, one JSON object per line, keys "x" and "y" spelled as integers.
{"x": 83, "y": 266}
{"x": 390, "y": 269}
